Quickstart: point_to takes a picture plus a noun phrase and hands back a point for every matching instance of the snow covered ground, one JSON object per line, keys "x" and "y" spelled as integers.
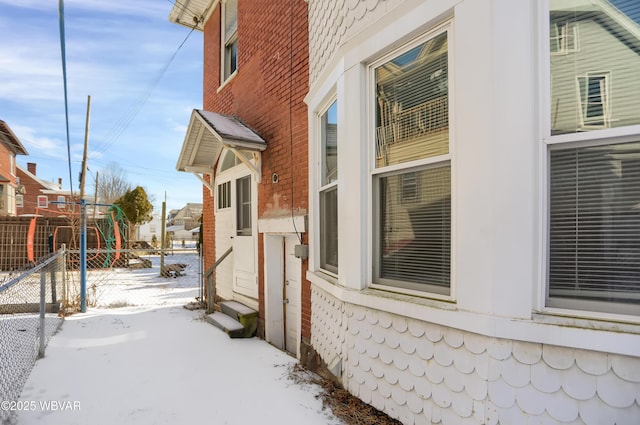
{"x": 163, "y": 364}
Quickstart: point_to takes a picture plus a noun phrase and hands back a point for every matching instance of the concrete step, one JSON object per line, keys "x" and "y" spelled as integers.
{"x": 247, "y": 316}
{"x": 228, "y": 324}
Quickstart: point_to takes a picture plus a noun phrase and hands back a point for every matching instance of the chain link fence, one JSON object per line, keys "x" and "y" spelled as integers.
{"x": 33, "y": 304}
{"x": 127, "y": 278}
{"x": 32, "y": 307}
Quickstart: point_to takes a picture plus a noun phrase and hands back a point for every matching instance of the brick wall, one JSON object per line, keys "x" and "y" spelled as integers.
{"x": 268, "y": 95}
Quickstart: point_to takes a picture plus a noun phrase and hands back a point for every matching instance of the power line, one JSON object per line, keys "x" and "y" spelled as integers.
{"x": 122, "y": 124}
{"x": 64, "y": 78}
{"x": 185, "y": 7}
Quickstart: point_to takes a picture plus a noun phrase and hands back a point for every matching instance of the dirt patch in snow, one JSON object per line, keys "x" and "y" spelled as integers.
{"x": 349, "y": 409}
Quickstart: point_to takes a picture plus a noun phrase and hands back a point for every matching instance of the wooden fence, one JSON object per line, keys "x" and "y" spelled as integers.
{"x": 50, "y": 234}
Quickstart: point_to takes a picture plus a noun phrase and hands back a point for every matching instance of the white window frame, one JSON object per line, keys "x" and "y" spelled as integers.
{"x": 324, "y": 188}
{"x": 562, "y": 34}
{"x": 19, "y": 200}
{"x": 227, "y": 41}
{"x": 425, "y": 291}
{"x": 594, "y": 137}
{"x": 227, "y": 195}
{"x": 42, "y": 201}
{"x": 243, "y": 200}
{"x": 605, "y": 80}
{"x": 62, "y": 202}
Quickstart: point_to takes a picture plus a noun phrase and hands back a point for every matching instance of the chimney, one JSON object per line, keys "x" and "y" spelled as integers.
{"x": 60, "y": 182}
{"x": 31, "y": 167}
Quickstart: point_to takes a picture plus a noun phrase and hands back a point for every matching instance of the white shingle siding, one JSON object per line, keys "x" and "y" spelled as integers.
{"x": 422, "y": 373}
{"x": 328, "y": 331}
{"x": 332, "y": 22}
{"x": 492, "y": 353}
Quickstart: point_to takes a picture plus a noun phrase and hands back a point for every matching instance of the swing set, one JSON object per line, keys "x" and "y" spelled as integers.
{"x": 111, "y": 230}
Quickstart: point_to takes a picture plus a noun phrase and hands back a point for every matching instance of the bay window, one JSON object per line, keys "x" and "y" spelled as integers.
{"x": 412, "y": 170}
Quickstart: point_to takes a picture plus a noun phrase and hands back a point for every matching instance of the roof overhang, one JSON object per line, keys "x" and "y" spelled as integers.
{"x": 192, "y": 13}
{"x": 11, "y": 140}
{"x": 208, "y": 134}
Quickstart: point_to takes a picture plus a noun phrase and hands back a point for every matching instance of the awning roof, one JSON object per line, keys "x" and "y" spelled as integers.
{"x": 192, "y": 13}
{"x": 208, "y": 133}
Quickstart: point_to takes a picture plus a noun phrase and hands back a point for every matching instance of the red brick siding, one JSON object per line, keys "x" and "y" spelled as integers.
{"x": 267, "y": 94}
{"x": 30, "y": 197}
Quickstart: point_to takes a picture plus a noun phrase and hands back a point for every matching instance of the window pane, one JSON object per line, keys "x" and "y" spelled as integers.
{"x": 228, "y": 162}
{"x": 231, "y": 58}
{"x": 230, "y": 40}
{"x": 415, "y": 230}
{"x": 230, "y": 18}
{"x": 412, "y": 108}
{"x": 224, "y": 195}
{"x": 595, "y": 224}
{"x": 243, "y": 195}
{"x": 329, "y": 229}
{"x": 330, "y": 145}
{"x": 595, "y": 63}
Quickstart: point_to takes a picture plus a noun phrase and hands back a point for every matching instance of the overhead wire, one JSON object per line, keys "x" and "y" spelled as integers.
{"x": 64, "y": 78}
{"x": 185, "y": 7}
{"x": 122, "y": 124}
{"x": 291, "y": 165}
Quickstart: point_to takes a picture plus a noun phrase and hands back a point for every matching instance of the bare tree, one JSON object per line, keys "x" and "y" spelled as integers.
{"x": 112, "y": 183}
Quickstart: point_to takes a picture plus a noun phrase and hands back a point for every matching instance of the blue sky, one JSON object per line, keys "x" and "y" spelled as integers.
{"x": 115, "y": 51}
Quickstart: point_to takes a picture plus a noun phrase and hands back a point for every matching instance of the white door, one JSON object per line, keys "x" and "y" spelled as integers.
{"x": 245, "y": 277}
{"x": 274, "y": 289}
{"x": 283, "y": 292}
{"x": 292, "y": 294}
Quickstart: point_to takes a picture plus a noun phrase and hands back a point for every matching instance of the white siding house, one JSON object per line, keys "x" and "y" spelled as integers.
{"x": 475, "y": 243}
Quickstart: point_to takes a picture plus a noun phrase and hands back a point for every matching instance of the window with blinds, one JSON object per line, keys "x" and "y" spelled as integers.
{"x": 594, "y": 220}
{"x": 412, "y": 107}
{"x": 594, "y": 181}
{"x": 415, "y": 242}
{"x": 329, "y": 190}
{"x": 413, "y": 203}
{"x": 230, "y": 37}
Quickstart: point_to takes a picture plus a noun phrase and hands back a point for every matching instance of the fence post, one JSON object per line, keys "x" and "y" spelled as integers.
{"x": 43, "y": 282}
{"x": 65, "y": 295}
{"x": 83, "y": 256}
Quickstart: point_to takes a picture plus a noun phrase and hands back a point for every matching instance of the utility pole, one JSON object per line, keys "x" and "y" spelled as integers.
{"x": 95, "y": 198}
{"x": 162, "y": 237}
{"x": 83, "y": 176}
{"x": 83, "y": 218}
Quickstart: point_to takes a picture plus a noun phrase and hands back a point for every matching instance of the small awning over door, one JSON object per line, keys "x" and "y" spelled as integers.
{"x": 208, "y": 133}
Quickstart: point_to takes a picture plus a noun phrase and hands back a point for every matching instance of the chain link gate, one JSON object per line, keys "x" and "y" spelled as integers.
{"x": 32, "y": 307}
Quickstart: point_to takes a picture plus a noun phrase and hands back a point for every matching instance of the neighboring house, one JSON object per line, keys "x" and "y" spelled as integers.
{"x": 248, "y": 146}
{"x": 474, "y": 227}
{"x": 188, "y": 216}
{"x": 178, "y": 234}
{"x": 10, "y": 146}
{"x": 39, "y": 196}
{"x": 146, "y": 232}
{"x": 171, "y": 214}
